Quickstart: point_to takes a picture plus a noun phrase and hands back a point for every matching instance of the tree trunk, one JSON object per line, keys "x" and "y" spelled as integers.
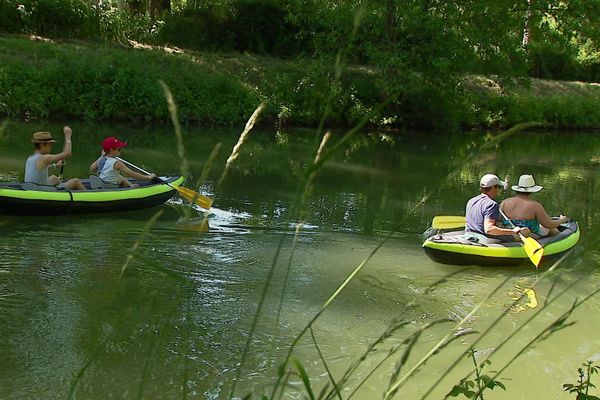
{"x": 159, "y": 7}
{"x": 527, "y": 28}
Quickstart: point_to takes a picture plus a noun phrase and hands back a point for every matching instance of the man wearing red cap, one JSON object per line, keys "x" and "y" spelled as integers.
{"x": 110, "y": 168}
{"x": 36, "y": 166}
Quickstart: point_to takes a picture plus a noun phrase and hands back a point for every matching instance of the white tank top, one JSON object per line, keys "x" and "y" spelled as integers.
{"x": 32, "y": 173}
{"x": 108, "y": 173}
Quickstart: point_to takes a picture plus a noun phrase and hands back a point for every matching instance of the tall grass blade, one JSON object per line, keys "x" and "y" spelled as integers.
{"x": 243, "y": 137}
{"x": 137, "y": 243}
{"x": 590, "y": 238}
{"x": 82, "y": 370}
{"x": 185, "y": 170}
{"x": 256, "y": 317}
{"x": 398, "y": 384}
{"x": 444, "y": 279}
{"x": 329, "y": 374}
{"x": 557, "y": 325}
{"x": 304, "y": 377}
{"x": 299, "y": 225}
{"x": 489, "y": 329}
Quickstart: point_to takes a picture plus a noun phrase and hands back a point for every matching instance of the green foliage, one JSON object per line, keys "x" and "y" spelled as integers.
{"x": 104, "y": 83}
{"x": 473, "y": 389}
{"x": 91, "y": 81}
{"x": 257, "y": 26}
{"x": 74, "y": 19}
{"x": 584, "y": 382}
{"x": 435, "y": 40}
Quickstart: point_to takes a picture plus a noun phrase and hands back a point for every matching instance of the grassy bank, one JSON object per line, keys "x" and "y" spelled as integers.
{"x": 99, "y": 81}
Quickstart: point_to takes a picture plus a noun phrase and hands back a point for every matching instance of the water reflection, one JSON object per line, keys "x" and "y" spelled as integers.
{"x": 174, "y": 324}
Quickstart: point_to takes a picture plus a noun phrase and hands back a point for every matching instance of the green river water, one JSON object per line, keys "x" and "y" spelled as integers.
{"x": 174, "y": 323}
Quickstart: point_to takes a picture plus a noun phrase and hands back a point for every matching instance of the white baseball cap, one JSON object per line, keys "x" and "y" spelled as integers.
{"x": 489, "y": 180}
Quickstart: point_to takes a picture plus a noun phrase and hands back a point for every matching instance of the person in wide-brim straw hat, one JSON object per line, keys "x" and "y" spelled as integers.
{"x": 523, "y": 211}
{"x": 42, "y": 137}
{"x": 482, "y": 214}
{"x": 526, "y": 185}
{"x": 37, "y": 165}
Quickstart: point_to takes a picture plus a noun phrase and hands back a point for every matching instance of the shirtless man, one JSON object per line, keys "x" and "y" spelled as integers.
{"x": 526, "y": 212}
{"x": 36, "y": 166}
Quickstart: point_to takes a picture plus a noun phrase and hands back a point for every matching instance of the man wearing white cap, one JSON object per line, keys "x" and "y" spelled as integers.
{"x": 482, "y": 213}
{"x": 526, "y": 212}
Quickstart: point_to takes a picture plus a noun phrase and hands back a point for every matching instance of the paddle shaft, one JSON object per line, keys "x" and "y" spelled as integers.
{"x": 194, "y": 197}
{"x": 143, "y": 171}
{"x": 135, "y": 166}
{"x": 511, "y": 224}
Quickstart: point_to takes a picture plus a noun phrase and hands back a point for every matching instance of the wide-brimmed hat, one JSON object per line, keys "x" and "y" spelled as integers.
{"x": 112, "y": 142}
{"x": 42, "y": 137}
{"x": 489, "y": 180}
{"x": 527, "y": 185}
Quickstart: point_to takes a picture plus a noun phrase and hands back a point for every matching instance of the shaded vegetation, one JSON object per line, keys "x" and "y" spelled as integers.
{"x": 403, "y": 64}
{"x": 91, "y": 81}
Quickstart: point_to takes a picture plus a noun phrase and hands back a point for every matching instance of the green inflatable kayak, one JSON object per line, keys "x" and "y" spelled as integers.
{"x": 453, "y": 248}
{"x": 29, "y": 199}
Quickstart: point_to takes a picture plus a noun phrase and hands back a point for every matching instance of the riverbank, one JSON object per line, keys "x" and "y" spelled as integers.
{"x": 111, "y": 82}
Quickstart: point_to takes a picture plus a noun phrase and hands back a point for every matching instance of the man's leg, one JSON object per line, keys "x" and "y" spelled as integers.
{"x": 73, "y": 184}
{"x": 53, "y": 180}
{"x": 124, "y": 182}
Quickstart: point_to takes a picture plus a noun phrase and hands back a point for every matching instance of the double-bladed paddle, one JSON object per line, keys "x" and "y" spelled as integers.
{"x": 190, "y": 195}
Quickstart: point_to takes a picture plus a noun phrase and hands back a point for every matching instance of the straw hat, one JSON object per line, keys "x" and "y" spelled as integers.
{"x": 42, "y": 137}
{"x": 527, "y": 185}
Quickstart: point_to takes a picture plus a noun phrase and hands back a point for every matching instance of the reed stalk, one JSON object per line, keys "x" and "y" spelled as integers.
{"x": 243, "y": 137}
{"x": 185, "y": 169}
{"x": 137, "y": 243}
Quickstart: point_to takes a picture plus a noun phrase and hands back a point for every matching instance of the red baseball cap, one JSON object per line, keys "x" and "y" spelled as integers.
{"x": 112, "y": 143}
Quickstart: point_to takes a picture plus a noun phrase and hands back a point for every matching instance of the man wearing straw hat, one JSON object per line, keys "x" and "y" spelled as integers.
{"x": 526, "y": 212}
{"x": 482, "y": 214}
{"x": 36, "y": 166}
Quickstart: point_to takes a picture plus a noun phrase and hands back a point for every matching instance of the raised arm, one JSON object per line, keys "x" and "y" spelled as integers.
{"x": 120, "y": 166}
{"x": 48, "y": 159}
{"x": 544, "y": 219}
{"x": 68, "y": 148}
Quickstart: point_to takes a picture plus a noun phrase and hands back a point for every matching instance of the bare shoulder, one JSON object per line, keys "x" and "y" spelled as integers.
{"x": 537, "y": 205}
{"x": 507, "y": 201}
{"x": 46, "y": 159}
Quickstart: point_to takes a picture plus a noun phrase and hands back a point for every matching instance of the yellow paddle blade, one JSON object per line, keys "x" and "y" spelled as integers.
{"x": 448, "y": 222}
{"x": 532, "y": 298}
{"x": 194, "y": 197}
{"x": 534, "y": 250}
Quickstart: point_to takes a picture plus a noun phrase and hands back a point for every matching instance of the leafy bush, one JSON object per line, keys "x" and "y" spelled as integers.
{"x": 11, "y": 16}
{"x": 553, "y": 61}
{"x": 112, "y": 84}
{"x": 200, "y": 29}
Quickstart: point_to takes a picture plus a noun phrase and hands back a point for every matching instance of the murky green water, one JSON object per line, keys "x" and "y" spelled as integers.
{"x": 173, "y": 324}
